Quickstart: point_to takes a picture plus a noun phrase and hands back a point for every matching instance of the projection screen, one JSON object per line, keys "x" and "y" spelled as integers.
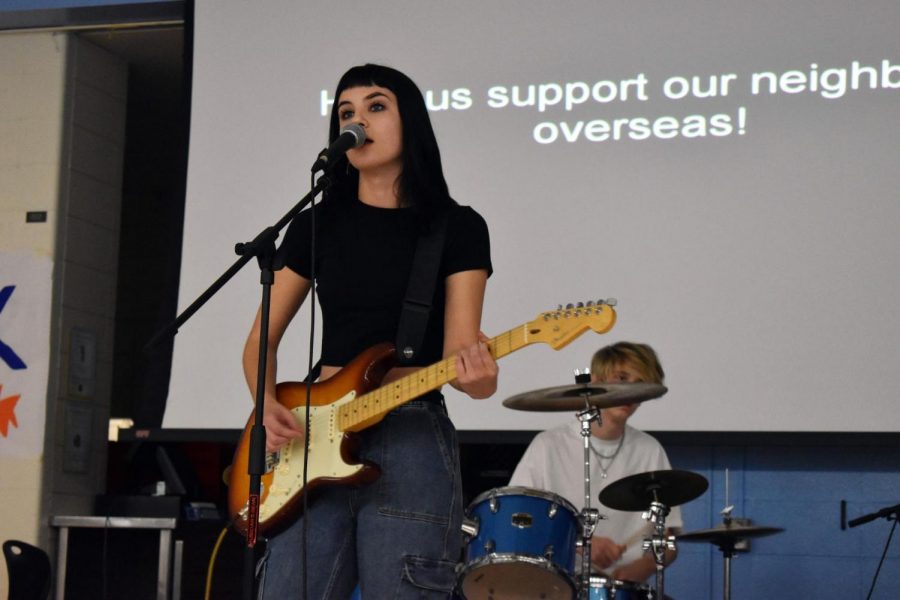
{"x": 727, "y": 171}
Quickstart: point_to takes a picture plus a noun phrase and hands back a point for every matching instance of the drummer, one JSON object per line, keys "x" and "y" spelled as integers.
{"x": 555, "y": 462}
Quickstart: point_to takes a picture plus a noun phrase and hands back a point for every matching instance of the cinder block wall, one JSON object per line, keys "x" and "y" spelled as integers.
{"x": 86, "y": 263}
{"x": 62, "y": 134}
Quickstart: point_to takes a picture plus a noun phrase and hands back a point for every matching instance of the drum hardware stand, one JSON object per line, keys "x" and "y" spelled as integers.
{"x": 653, "y": 493}
{"x": 727, "y": 550}
{"x": 589, "y": 516}
{"x": 731, "y": 537}
{"x": 659, "y": 542}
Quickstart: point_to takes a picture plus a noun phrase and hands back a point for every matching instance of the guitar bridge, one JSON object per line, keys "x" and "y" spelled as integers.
{"x": 272, "y": 460}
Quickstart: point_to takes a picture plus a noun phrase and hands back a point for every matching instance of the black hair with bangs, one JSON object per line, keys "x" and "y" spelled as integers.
{"x": 422, "y": 185}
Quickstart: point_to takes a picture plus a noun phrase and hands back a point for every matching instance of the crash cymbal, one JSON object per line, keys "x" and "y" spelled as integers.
{"x": 670, "y": 488}
{"x": 728, "y": 533}
{"x": 573, "y": 397}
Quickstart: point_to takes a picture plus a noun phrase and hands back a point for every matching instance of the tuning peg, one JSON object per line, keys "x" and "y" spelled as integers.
{"x": 559, "y": 307}
{"x": 579, "y": 305}
{"x": 590, "y": 303}
{"x": 570, "y": 306}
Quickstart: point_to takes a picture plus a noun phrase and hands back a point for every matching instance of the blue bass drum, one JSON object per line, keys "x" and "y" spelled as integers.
{"x": 522, "y": 546}
{"x": 603, "y": 588}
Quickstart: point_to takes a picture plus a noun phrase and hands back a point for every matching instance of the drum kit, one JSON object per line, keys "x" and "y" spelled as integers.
{"x": 523, "y": 542}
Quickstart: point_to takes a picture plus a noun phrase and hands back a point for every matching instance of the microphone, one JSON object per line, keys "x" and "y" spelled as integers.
{"x": 352, "y": 136}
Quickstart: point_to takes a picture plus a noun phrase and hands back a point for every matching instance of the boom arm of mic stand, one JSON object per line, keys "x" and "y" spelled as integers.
{"x": 172, "y": 328}
{"x": 887, "y": 512}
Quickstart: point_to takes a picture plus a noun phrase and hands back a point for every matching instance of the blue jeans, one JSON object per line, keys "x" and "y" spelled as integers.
{"x": 400, "y": 536}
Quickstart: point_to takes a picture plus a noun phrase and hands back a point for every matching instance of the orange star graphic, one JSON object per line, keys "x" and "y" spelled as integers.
{"x": 7, "y": 412}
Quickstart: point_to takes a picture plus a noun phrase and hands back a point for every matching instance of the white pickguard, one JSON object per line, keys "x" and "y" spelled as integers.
{"x": 324, "y": 457}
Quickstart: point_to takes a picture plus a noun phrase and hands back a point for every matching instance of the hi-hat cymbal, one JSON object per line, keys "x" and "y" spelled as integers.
{"x": 728, "y": 533}
{"x": 670, "y": 488}
{"x": 573, "y": 397}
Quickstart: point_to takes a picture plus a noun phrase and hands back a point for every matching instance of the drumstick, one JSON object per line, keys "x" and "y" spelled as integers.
{"x": 637, "y": 536}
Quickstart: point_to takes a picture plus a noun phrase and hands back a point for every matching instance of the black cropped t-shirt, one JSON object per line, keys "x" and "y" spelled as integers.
{"x": 363, "y": 258}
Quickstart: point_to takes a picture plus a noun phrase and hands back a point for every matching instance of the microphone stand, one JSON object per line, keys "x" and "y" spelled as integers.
{"x": 263, "y": 248}
{"x": 891, "y": 513}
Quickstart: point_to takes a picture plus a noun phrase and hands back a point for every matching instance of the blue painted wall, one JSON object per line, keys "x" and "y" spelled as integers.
{"x": 799, "y": 489}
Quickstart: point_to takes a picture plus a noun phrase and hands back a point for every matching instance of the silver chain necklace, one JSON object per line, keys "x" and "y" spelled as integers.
{"x": 608, "y": 457}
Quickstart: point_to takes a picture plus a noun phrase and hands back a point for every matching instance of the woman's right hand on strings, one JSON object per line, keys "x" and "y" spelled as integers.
{"x": 281, "y": 425}
{"x": 288, "y": 294}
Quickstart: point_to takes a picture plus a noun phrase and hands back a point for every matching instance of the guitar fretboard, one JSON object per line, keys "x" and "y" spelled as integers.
{"x": 370, "y": 408}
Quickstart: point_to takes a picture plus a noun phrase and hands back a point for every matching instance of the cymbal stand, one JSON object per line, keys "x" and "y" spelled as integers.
{"x": 727, "y": 548}
{"x": 658, "y": 543}
{"x": 589, "y": 516}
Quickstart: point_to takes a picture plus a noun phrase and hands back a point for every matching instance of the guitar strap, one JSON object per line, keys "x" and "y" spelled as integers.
{"x": 420, "y": 290}
{"x": 419, "y": 295}
{"x": 314, "y": 374}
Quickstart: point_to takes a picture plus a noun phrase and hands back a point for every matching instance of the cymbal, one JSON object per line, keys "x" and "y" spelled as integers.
{"x": 670, "y": 488}
{"x": 727, "y": 533}
{"x": 573, "y": 397}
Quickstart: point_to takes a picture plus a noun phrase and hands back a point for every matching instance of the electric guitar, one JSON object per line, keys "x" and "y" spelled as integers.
{"x": 351, "y": 401}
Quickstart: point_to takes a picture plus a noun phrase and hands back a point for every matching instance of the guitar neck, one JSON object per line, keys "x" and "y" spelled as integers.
{"x": 370, "y": 408}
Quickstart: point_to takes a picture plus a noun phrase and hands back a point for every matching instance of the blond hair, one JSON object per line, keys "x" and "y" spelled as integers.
{"x": 641, "y": 357}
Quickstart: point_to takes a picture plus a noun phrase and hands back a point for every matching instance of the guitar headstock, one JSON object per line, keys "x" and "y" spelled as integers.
{"x": 559, "y": 327}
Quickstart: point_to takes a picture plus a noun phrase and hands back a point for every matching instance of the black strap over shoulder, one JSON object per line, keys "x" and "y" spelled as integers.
{"x": 313, "y": 375}
{"x": 420, "y": 291}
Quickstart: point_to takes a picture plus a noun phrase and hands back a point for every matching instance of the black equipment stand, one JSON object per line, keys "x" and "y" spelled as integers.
{"x": 263, "y": 248}
{"x": 891, "y": 513}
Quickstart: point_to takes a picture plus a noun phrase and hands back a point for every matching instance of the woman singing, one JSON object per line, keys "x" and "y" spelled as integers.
{"x": 400, "y": 536}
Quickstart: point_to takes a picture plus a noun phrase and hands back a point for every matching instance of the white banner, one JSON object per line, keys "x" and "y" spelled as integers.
{"x": 26, "y": 287}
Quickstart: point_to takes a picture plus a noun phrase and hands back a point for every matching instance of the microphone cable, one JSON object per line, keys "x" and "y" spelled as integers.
{"x": 207, "y": 590}
{"x": 309, "y": 380}
{"x": 887, "y": 545}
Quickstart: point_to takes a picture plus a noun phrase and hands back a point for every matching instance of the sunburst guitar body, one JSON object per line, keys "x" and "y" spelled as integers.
{"x": 353, "y": 400}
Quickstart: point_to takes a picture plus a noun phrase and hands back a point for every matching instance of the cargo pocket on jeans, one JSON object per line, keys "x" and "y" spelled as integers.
{"x": 421, "y": 574}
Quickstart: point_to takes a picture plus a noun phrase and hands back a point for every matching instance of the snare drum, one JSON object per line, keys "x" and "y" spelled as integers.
{"x": 604, "y": 588}
{"x": 523, "y": 546}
